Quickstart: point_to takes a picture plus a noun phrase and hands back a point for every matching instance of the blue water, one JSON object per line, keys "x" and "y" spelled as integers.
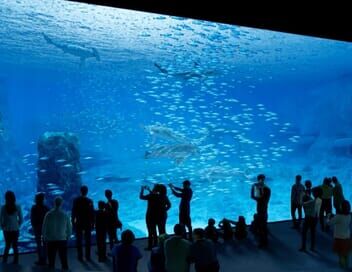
{"x": 213, "y": 103}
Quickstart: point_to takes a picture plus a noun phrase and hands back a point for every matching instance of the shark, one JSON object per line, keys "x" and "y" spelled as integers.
{"x": 79, "y": 51}
{"x": 178, "y": 152}
{"x": 162, "y": 132}
{"x": 186, "y": 75}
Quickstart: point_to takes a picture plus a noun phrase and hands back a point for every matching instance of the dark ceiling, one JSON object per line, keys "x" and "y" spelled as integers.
{"x": 332, "y": 21}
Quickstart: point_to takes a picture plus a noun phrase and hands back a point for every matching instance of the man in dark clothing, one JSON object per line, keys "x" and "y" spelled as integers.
{"x": 203, "y": 253}
{"x": 82, "y": 217}
{"x": 153, "y": 214}
{"x": 261, "y": 193}
{"x": 297, "y": 193}
{"x": 114, "y": 223}
{"x": 38, "y": 213}
{"x": 185, "y": 194}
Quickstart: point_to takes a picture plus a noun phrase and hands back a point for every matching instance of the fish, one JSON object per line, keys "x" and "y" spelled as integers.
{"x": 112, "y": 178}
{"x": 177, "y": 152}
{"x": 159, "y": 131}
{"x": 79, "y": 51}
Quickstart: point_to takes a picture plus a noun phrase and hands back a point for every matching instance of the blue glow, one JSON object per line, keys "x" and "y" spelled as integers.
{"x": 160, "y": 99}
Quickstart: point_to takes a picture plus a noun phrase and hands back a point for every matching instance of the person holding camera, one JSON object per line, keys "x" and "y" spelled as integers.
{"x": 153, "y": 213}
{"x": 185, "y": 194}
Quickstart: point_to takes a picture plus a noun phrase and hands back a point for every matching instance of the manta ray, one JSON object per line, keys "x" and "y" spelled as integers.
{"x": 177, "y": 152}
{"x": 79, "y": 51}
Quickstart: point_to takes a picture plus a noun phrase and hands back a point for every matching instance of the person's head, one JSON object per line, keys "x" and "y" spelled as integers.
{"x": 186, "y": 184}
{"x": 298, "y": 179}
{"x": 39, "y": 198}
{"x": 326, "y": 181}
{"x": 334, "y": 180}
{"x": 261, "y": 178}
{"x": 308, "y": 184}
{"x": 179, "y": 229}
{"x": 162, "y": 189}
{"x": 345, "y": 207}
{"x": 127, "y": 237}
{"x": 58, "y": 202}
{"x": 108, "y": 194}
{"x": 198, "y": 234}
{"x": 241, "y": 220}
{"x": 211, "y": 222}
{"x": 84, "y": 190}
{"x": 317, "y": 192}
{"x": 101, "y": 205}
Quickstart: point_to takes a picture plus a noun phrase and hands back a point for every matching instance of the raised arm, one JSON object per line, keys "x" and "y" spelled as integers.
{"x": 176, "y": 193}
{"x": 141, "y": 194}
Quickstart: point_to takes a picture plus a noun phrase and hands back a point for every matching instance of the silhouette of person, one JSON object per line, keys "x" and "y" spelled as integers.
{"x": 326, "y": 205}
{"x": 165, "y": 206}
{"x": 297, "y": 193}
{"x": 38, "y": 212}
{"x": 11, "y": 219}
{"x": 153, "y": 213}
{"x": 210, "y": 231}
{"x": 261, "y": 193}
{"x": 101, "y": 227}
{"x": 83, "y": 221}
{"x": 185, "y": 194}
{"x": 126, "y": 255}
{"x": 311, "y": 210}
{"x": 57, "y": 230}
{"x": 226, "y": 229}
{"x": 308, "y": 187}
{"x": 114, "y": 223}
{"x": 337, "y": 194}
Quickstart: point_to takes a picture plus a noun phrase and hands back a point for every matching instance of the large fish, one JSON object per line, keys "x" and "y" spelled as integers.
{"x": 159, "y": 131}
{"x": 186, "y": 75}
{"x": 79, "y": 51}
{"x": 177, "y": 152}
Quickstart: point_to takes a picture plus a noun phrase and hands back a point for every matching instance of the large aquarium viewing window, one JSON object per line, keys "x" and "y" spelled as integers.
{"x": 116, "y": 99}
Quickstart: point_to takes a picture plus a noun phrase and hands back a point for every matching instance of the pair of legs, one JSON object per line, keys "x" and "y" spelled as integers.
{"x": 162, "y": 225}
{"x": 85, "y": 232}
{"x": 262, "y": 231}
{"x": 296, "y": 207}
{"x": 101, "y": 244}
{"x": 185, "y": 219}
{"x": 61, "y": 248}
{"x": 11, "y": 240}
{"x": 41, "y": 250}
{"x": 152, "y": 232}
{"x": 309, "y": 224}
{"x": 325, "y": 209}
{"x": 112, "y": 235}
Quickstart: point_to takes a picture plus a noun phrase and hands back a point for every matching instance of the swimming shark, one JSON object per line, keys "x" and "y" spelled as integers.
{"x": 79, "y": 51}
{"x": 159, "y": 131}
{"x": 177, "y": 152}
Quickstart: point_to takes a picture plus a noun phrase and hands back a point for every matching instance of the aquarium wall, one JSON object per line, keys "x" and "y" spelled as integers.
{"x": 116, "y": 99}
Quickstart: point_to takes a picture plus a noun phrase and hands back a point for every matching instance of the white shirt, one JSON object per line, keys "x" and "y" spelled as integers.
{"x": 56, "y": 226}
{"x": 341, "y": 224}
{"x": 318, "y": 202}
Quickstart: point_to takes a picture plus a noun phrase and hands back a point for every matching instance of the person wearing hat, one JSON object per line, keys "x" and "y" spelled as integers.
{"x": 185, "y": 194}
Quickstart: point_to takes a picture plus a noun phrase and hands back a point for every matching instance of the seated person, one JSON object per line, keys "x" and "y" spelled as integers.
{"x": 211, "y": 232}
{"x": 254, "y": 225}
{"x": 225, "y": 226}
{"x": 241, "y": 228}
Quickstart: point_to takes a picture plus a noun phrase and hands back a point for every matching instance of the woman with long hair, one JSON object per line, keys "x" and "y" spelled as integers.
{"x": 10, "y": 220}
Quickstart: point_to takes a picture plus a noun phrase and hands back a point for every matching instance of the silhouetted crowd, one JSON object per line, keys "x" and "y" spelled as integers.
{"x": 52, "y": 228}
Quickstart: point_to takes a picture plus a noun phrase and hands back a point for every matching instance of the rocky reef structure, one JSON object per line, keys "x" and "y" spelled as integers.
{"x": 59, "y": 166}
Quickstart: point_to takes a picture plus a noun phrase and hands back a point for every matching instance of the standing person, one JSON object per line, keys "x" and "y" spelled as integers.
{"x": 185, "y": 194}
{"x": 114, "y": 223}
{"x": 83, "y": 222}
{"x": 126, "y": 255}
{"x": 153, "y": 213}
{"x": 38, "y": 212}
{"x": 203, "y": 253}
{"x": 165, "y": 206}
{"x": 311, "y": 211}
{"x": 177, "y": 251}
{"x": 101, "y": 227}
{"x": 11, "y": 219}
{"x": 342, "y": 235}
{"x": 261, "y": 193}
{"x": 297, "y": 193}
{"x": 337, "y": 193}
{"x": 57, "y": 230}
{"x": 326, "y": 205}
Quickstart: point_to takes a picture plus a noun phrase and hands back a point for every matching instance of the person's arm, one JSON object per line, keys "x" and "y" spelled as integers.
{"x": 32, "y": 218}
{"x": 1, "y": 218}
{"x": 44, "y": 227}
{"x": 141, "y": 194}
{"x": 92, "y": 214}
{"x": 175, "y": 193}
{"x": 20, "y": 215}
{"x": 68, "y": 228}
{"x": 292, "y": 193}
{"x": 252, "y": 193}
{"x": 74, "y": 212}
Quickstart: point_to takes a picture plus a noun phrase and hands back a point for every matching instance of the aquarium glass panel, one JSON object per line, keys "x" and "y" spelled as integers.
{"x": 118, "y": 99}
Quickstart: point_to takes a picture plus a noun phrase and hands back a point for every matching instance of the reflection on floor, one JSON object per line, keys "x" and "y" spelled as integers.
{"x": 282, "y": 255}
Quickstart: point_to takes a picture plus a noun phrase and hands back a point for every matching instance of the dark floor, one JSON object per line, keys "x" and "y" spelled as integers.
{"x": 282, "y": 255}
